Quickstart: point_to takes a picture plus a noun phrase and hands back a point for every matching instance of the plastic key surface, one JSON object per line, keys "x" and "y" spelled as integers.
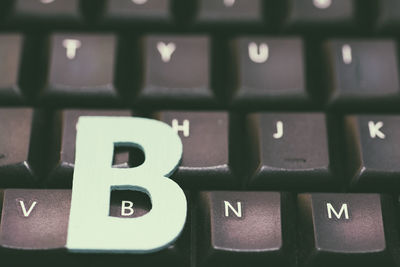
{"x": 138, "y": 11}
{"x": 20, "y": 151}
{"x": 288, "y": 150}
{"x": 244, "y": 228}
{"x": 177, "y": 71}
{"x": 60, "y": 12}
{"x": 306, "y": 15}
{"x": 206, "y": 161}
{"x": 62, "y": 152}
{"x": 226, "y": 12}
{"x": 343, "y": 229}
{"x": 373, "y": 150}
{"x": 362, "y": 74}
{"x": 268, "y": 72}
{"x": 81, "y": 70}
{"x": 10, "y": 66}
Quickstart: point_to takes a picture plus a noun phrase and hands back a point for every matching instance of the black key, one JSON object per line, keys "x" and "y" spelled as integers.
{"x": 268, "y": 72}
{"x": 62, "y": 156}
{"x": 343, "y": 230}
{"x": 362, "y": 73}
{"x": 10, "y": 67}
{"x": 206, "y": 160}
{"x": 138, "y": 11}
{"x": 244, "y": 229}
{"x": 81, "y": 70}
{"x": 373, "y": 150}
{"x": 176, "y": 72}
{"x": 289, "y": 150}
{"x": 20, "y": 151}
{"x": 35, "y": 219}
{"x": 228, "y": 12}
{"x": 306, "y": 15}
{"x": 34, "y": 226}
{"x": 46, "y": 12}
{"x": 388, "y": 17}
{"x": 177, "y": 254}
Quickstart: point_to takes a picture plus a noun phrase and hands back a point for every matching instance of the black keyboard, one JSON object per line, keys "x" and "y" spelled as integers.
{"x": 199, "y": 133}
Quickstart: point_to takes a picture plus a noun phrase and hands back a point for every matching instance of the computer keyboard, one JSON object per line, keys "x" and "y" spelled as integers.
{"x": 287, "y": 112}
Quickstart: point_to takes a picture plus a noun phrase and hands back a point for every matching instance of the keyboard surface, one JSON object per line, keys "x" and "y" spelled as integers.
{"x": 288, "y": 117}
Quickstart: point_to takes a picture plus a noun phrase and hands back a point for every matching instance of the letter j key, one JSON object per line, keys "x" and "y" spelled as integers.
{"x": 289, "y": 150}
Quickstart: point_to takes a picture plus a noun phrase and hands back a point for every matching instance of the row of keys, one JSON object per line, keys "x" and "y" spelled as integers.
{"x": 289, "y": 14}
{"x": 249, "y": 227}
{"x": 283, "y": 151}
{"x": 257, "y": 73}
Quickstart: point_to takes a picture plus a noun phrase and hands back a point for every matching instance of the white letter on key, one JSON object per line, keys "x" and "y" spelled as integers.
{"x": 375, "y": 129}
{"x": 25, "y": 212}
{"x": 258, "y": 54}
{"x": 90, "y": 226}
{"x": 279, "y": 130}
{"x": 166, "y": 51}
{"x": 72, "y": 46}
{"x": 126, "y": 208}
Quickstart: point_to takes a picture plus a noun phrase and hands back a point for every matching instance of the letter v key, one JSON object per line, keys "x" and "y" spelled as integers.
{"x": 25, "y": 212}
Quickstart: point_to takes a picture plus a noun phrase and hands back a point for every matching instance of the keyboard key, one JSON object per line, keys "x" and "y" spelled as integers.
{"x": 343, "y": 230}
{"x": 244, "y": 229}
{"x": 214, "y": 12}
{"x": 135, "y": 11}
{"x": 373, "y": 150}
{"x": 10, "y": 67}
{"x": 34, "y": 226}
{"x": 364, "y": 73}
{"x": 35, "y": 219}
{"x": 62, "y": 156}
{"x": 388, "y": 17}
{"x": 19, "y": 148}
{"x": 206, "y": 161}
{"x": 46, "y": 12}
{"x": 81, "y": 70}
{"x": 177, "y": 254}
{"x": 289, "y": 150}
{"x": 168, "y": 79}
{"x": 269, "y": 72}
{"x": 306, "y": 15}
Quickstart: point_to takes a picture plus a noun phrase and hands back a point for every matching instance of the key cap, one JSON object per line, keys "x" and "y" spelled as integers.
{"x": 206, "y": 161}
{"x": 228, "y": 12}
{"x": 343, "y": 230}
{"x": 306, "y": 15}
{"x": 34, "y": 226}
{"x": 62, "y": 155}
{"x": 388, "y": 15}
{"x": 46, "y": 12}
{"x": 20, "y": 147}
{"x": 142, "y": 12}
{"x": 268, "y": 72}
{"x": 177, "y": 254}
{"x": 244, "y": 229}
{"x": 373, "y": 151}
{"x": 81, "y": 70}
{"x": 289, "y": 150}
{"x": 168, "y": 79}
{"x": 10, "y": 67}
{"x": 363, "y": 73}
